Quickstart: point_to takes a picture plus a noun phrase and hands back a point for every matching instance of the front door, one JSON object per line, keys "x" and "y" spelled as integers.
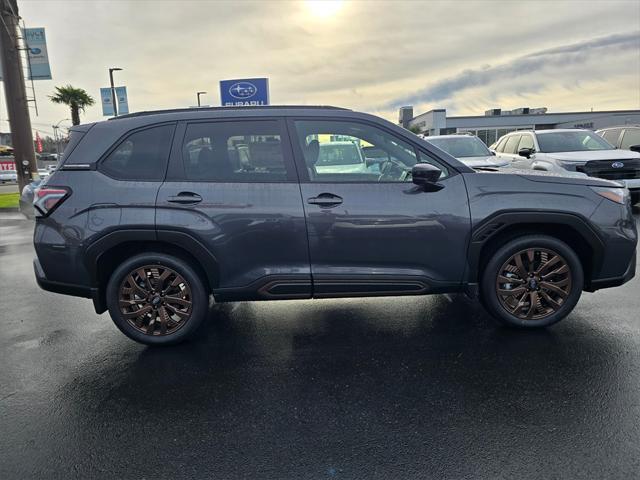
{"x": 371, "y": 230}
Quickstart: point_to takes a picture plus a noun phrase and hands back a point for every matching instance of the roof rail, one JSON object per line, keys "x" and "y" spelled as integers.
{"x": 215, "y": 109}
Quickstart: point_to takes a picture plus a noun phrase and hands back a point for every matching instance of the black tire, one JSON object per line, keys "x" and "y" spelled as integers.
{"x": 182, "y": 328}
{"x": 548, "y": 312}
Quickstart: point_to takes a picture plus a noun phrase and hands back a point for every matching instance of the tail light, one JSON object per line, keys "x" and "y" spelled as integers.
{"x": 47, "y": 199}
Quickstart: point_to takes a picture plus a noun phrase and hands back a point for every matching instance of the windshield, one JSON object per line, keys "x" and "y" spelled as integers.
{"x": 578, "y": 141}
{"x": 345, "y": 154}
{"x": 461, "y": 147}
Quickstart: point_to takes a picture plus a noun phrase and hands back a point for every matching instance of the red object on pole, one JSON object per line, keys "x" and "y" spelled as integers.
{"x": 38, "y": 143}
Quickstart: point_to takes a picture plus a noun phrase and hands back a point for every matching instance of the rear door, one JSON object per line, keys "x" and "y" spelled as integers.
{"x": 374, "y": 231}
{"x": 232, "y": 187}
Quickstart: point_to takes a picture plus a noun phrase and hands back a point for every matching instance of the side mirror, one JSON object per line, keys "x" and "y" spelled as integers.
{"x": 427, "y": 176}
{"x": 634, "y": 148}
{"x": 525, "y": 152}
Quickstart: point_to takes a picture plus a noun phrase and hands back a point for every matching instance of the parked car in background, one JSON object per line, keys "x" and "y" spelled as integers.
{"x": 48, "y": 157}
{"x": 626, "y": 137}
{"x": 8, "y": 176}
{"x": 43, "y": 173}
{"x": 6, "y": 151}
{"x": 340, "y": 157}
{"x": 137, "y": 221}
{"x": 573, "y": 150}
{"x": 26, "y": 198}
{"x": 469, "y": 149}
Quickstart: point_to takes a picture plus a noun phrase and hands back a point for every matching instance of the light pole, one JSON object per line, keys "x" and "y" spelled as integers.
{"x": 55, "y": 135}
{"x": 113, "y": 91}
{"x": 198, "y": 94}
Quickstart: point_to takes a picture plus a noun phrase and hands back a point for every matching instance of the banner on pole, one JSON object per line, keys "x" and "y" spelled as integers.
{"x": 107, "y": 101}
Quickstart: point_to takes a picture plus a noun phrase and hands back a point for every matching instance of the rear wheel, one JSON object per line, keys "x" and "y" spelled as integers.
{"x": 156, "y": 299}
{"x": 532, "y": 281}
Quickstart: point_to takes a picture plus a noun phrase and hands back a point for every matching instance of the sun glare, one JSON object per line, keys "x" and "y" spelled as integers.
{"x": 323, "y": 8}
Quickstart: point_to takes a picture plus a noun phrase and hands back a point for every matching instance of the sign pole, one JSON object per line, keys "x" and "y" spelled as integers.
{"x": 113, "y": 92}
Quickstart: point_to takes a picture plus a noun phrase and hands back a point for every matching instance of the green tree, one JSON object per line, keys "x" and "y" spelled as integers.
{"x": 76, "y": 99}
{"x": 414, "y": 129}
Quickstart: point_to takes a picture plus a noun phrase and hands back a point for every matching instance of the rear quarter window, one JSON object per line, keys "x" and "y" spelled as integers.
{"x": 141, "y": 156}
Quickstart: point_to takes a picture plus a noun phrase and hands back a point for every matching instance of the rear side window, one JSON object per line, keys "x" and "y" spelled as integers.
{"x": 74, "y": 139}
{"x": 501, "y": 143}
{"x": 246, "y": 151}
{"x": 141, "y": 156}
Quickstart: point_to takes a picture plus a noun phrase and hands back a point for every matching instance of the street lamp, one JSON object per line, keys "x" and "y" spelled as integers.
{"x": 55, "y": 134}
{"x": 198, "y": 94}
{"x": 113, "y": 91}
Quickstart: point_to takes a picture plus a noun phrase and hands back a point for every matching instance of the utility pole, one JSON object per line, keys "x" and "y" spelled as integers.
{"x": 16, "y": 95}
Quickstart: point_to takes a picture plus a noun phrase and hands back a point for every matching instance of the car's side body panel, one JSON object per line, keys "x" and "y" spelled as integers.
{"x": 263, "y": 240}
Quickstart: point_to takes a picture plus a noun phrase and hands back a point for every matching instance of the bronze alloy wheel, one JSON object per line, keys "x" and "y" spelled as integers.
{"x": 155, "y": 300}
{"x": 533, "y": 283}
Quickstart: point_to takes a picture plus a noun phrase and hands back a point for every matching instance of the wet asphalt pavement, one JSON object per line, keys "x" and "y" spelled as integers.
{"x": 405, "y": 387}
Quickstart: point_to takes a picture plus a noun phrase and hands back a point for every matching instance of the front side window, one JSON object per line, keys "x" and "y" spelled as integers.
{"x": 631, "y": 137}
{"x": 244, "y": 151}
{"x": 343, "y": 151}
{"x": 572, "y": 141}
{"x": 512, "y": 144}
{"x": 141, "y": 156}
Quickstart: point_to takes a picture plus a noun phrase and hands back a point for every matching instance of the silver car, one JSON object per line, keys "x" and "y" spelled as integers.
{"x": 469, "y": 149}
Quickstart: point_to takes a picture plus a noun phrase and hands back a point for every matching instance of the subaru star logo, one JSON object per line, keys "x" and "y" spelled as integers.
{"x": 242, "y": 90}
{"x": 617, "y": 165}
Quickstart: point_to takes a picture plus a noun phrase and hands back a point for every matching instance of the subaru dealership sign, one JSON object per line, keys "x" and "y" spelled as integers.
{"x": 248, "y": 91}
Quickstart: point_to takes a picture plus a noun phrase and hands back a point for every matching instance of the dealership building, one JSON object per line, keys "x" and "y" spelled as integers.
{"x": 497, "y": 122}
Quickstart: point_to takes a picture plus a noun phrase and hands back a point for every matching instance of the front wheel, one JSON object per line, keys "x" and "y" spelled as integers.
{"x": 156, "y": 299}
{"x": 532, "y": 281}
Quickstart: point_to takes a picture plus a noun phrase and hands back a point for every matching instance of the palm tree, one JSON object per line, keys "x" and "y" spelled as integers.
{"x": 76, "y": 98}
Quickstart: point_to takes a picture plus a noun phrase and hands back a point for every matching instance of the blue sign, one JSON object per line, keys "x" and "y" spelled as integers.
{"x": 36, "y": 42}
{"x": 246, "y": 91}
{"x": 107, "y": 101}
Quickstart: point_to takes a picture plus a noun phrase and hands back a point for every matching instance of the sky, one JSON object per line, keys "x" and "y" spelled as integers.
{"x": 466, "y": 56}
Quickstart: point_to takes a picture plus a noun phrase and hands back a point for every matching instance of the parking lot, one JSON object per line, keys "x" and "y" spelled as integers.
{"x": 406, "y": 387}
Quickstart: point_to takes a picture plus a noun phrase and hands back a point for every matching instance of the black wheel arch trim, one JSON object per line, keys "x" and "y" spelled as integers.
{"x": 178, "y": 239}
{"x": 499, "y": 221}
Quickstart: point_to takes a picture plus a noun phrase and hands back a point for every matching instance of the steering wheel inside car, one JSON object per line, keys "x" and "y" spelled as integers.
{"x": 393, "y": 169}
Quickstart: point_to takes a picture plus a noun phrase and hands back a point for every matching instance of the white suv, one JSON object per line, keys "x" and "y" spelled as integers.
{"x": 572, "y": 150}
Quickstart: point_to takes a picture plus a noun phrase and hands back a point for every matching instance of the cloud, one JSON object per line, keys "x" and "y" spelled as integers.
{"x": 524, "y": 66}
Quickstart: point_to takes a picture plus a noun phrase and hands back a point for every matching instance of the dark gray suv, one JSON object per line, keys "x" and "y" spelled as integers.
{"x": 152, "y": 214}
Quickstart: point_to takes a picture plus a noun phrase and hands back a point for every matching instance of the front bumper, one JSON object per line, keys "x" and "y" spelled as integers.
{"x": 614, "y": 281}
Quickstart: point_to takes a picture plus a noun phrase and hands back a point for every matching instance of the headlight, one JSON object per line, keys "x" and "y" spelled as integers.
{"x": 571, "y": 165}
{"x": 615, "y": 194}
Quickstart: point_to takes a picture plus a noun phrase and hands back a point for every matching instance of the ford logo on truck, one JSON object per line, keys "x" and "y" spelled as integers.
{"x": 617, "y": 165}
{"x": 242, "y": 90}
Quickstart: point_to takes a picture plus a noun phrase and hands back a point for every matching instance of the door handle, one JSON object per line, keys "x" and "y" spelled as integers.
{"x": 326, "y": 200}
{"x": 185, "y": 198}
